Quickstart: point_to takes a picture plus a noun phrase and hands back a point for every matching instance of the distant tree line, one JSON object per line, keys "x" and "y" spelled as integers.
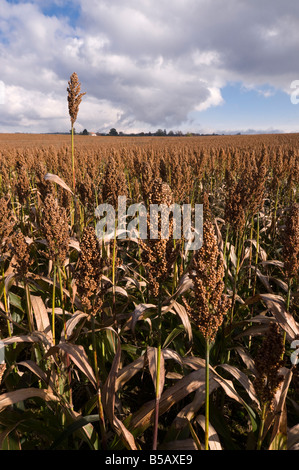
{"x": 160, "y": 133}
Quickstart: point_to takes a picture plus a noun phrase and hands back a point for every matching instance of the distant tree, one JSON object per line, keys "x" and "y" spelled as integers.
{"x": 159, "y": 132}
{"x": 113, "y": 132}
{"x": 171, "y": 133}
{"x": 85, "y": 132}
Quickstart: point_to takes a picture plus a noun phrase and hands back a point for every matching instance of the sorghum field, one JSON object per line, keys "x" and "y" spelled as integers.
{"x": 142, "y": 344}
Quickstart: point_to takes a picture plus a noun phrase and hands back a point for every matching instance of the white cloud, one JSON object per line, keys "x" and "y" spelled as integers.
{"x": 143, "y": 63}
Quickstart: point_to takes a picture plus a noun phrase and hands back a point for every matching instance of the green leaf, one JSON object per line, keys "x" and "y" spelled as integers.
{"x": 174, "y": 333}
{"x": 77, "y": 424}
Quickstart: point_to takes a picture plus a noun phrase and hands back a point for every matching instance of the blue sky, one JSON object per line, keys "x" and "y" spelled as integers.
{"x": 67, "y": 9}
{"x": 146, "y": 66}
{"x": 246, "y": 110}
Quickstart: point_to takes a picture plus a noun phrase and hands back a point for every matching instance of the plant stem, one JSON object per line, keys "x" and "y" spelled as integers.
{"x": 275, "y": 215}
{"x": 6, "y": 304}
{"x": 262, "y": 425}
{"x": 158, "y": 368}
{"x": 250, "y": 254}
{"x": 194, "y": 435}
{"x": 113, "y": 276}
{"x": 99, "y": 397}
{"x": 62, "y": 300}
{"x": 207, "y": 394}
{"x": 53, "y": 306}
{"x": 73, "y": 159}
{"x": 28, "y": 307}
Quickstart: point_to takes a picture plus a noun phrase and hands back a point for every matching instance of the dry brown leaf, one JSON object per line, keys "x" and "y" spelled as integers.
{"x": 182, "y": 313}
{"x": 34, "y": 337}
{"x": 119, "y": 290}
{"x": 280, "y": 412}
{"x": 243, "y": 379}
{"x": 31, "y": 365}
{"x": 56, "y": 179}
{"x": 193, "y": 362}
{"x": 214, "y": 441}
{"x": 170, "y": 354}
{"x": 127, "y": 372}
{"x": 273, "y": 262}
{"x": 10, "y": 398}
{"x": 78, "y": 355}
{"x": 293, "y": 438}
{"x": 189, "y": 411}
{"x": 138, "y": 312}
{"x": 185, "y": 284}
{"x": 247, "y": 359}
{"x": 277, "y": 307}
{"x": 262, "y": 252}
{"x": 125, "y": 434}
{"x": 41, "y": 317}
{"x": 71, "y": 324}
{"x": 109, "y": 389}
{"x": 264, "y": 279}
{"x": 109, "y": 394}
{"x": 189, "y": 384}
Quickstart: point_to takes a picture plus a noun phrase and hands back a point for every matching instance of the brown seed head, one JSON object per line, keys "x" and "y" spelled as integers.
{"x": 114, "y": 183}
{"x": 6, "y": 223}
{"x": 89, "y": 271}
{"x": 158, "y": 255}
{"x": 207, "y": 272}
{"x": 74, "y": 97}
{"x": 23, "y": 185}
{"x": 56, "y": 230}
{"x": 21, "y": 254}
{"x": 291, "y": 243}
{"x": 268, "y": 362}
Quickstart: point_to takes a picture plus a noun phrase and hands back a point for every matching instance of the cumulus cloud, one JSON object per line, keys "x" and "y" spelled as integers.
{"x": 143, "y": 63}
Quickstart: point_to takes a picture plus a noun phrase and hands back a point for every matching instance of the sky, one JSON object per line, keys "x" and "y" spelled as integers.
{"x": 204, "y": 66}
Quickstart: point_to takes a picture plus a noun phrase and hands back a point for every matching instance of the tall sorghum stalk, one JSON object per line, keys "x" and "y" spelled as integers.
{"x": 88, "y": 275}
{"x": 99, "y": 395}
{"x": 53, "y": 306}
{"x": 74, "y": 100}
{"x": 257, "y": 249}
{"x": 21, "y": 264}
{"x": 207, "y": 392}
{"x": 56, "y": 232}
{"x": 6, "y": 229}
{"x": 158, "y": 366}
{"x": 158, "y": 256}
{"x": 210, "y": 304}
{"x": 5, "y": 298}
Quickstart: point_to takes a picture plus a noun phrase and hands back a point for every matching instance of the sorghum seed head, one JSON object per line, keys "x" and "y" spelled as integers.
{"x": 268, "y": 362}
{"x": 74, "y": 97}
{"x": 207, "y": 272}
{"x": 291, "y": 243}
{"x": 56, "y": 230}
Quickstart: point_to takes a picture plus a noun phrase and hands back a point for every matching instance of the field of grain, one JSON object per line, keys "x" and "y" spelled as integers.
{"x": 130, "y": 344}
